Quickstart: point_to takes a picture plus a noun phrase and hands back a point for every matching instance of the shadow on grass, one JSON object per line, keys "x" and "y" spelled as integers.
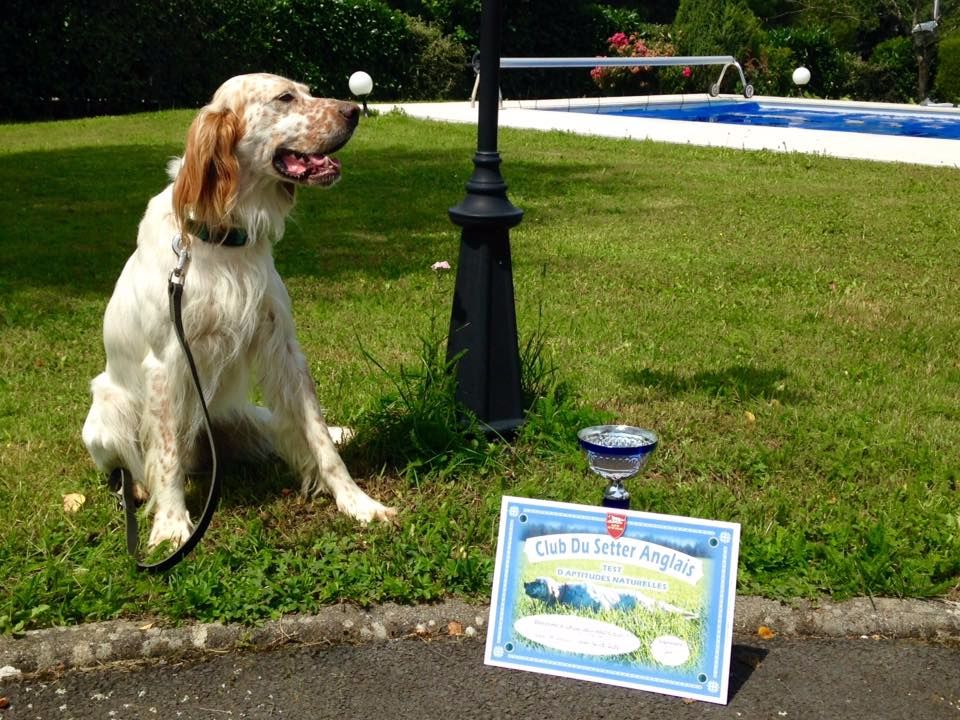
{"x": 251, "y": 484}
{"x": 69, "y": 218}
{"x": 246, "y": 482}
{"x": 738, "y": 382}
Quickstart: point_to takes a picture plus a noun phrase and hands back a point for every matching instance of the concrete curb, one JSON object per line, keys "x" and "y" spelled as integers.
{"x": 99, "y": 643}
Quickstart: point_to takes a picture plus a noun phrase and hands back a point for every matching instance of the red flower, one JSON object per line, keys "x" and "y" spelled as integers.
{"x": 619, "y": 40}
{"x": 687, "y": 72}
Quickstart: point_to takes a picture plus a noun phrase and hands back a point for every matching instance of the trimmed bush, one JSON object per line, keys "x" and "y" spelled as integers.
{"x": 719, "y": 27}
{"x": 890, "y": 74}
{"x": 460, "y": 19}
{"x": 893, "y": 76}
{"x": 545, "y": 28}
{"x": 109, "y": 57}
{"x": 442, "y": 69}
{"x": 947, "y": 82}
{"x": 322, "y": 42}
{"x": 612, "y": 20}
{"x": 115, "y": 58}
{"x": 814, "y": 48}
{"x": 772, "y": 74}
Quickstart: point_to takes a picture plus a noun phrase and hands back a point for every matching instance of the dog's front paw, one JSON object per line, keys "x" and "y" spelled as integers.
{"x": 170, "y": 526}
{"x": 365, "y": 509}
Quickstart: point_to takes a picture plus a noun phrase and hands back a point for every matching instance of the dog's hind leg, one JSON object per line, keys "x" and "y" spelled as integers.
{"x": 110, "y": 431}
{"x": 249, "y": 434}
{"x": 246, "y": 434}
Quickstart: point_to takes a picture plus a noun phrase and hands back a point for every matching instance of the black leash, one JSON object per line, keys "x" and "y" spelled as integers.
{"x": 175, "y": 292}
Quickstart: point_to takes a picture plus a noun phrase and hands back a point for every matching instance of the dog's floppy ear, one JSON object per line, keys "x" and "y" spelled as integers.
{"x": 206, "y": 186}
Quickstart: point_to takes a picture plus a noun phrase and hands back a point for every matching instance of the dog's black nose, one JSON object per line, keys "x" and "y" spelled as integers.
{"x": 351, "y": 112}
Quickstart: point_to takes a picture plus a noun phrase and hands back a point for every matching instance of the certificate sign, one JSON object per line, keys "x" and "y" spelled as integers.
{"x": 615, "y": 596}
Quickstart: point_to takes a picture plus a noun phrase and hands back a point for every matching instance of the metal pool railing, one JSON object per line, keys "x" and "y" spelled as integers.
{"x": 727, "y": 61}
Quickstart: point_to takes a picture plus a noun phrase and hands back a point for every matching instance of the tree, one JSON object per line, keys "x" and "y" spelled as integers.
{"x": 862, "y": 25}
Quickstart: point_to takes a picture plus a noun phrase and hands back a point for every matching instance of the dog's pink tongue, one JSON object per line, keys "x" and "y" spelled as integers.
{"x": 293, "y": 164}
{"x": 300, "y": 164}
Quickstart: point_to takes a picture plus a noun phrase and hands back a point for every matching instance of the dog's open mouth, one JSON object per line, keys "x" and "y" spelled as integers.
{"x": 307, "y": 168}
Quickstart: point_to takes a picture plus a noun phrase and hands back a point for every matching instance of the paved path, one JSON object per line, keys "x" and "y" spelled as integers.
{"x": 445, "y": 678}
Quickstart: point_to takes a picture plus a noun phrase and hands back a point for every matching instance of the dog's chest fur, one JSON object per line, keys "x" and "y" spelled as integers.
{"x": 230, "y": 297}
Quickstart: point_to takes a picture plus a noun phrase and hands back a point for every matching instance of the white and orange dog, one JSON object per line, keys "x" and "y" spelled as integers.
{"x": 260, "y": 137}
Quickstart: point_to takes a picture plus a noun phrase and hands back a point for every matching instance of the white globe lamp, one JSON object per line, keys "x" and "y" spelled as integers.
{"x": 801, "y": 76}
{"x": 361, "y": 85}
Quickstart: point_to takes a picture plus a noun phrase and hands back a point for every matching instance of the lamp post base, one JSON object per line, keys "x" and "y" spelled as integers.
{"x": 483, "y": 330}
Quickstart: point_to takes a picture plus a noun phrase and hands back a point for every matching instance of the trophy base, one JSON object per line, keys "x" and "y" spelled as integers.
{"x": 621, "y": 503}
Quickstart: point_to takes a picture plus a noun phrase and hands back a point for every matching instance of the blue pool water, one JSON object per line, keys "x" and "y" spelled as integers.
{"x": 934, "y": 124}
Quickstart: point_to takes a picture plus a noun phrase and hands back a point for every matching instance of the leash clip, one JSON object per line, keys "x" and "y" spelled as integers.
{"x": 183, "y": 258}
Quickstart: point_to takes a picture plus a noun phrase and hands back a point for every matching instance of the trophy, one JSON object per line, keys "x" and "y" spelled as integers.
{"x": 616, "y": 452}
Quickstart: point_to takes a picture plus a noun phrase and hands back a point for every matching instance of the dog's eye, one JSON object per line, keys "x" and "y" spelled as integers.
{"x": 286, "y": 97}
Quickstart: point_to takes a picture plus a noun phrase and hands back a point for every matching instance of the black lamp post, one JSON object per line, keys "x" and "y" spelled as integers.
{"x": 483, "y": 324}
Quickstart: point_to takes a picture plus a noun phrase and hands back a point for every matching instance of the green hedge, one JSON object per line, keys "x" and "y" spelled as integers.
{"x": 156, "y": 54}
{"x": 814, "y": 48}
{"x": 890, "y": 75}
{"x": 323, "y": 41}
{"x": 719, "y": 27}
{"x": 546, "y": 28}
{"x": 122, "y": 57}
{"x": 947, "y": 82}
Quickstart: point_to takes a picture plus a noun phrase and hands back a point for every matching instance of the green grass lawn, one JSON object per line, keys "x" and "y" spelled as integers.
{"x": 788, "y": 324}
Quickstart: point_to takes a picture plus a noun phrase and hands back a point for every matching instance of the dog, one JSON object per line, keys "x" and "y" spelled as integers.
{"x": 247, "y": 152}
{"x": 586, "y": 596}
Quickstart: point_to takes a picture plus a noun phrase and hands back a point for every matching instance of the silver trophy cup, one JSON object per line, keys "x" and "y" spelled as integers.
{"x": 616, "y": 452}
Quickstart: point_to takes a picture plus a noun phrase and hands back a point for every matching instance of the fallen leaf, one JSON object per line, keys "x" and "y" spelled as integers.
{"x": 72, "y": 502}
{"x": 147, "y": 626}
{"x": 4, "y": 703}
{"x": 454, "y": 628}
{"x": 766, "y": 633}
{"x": 751, "y": 418}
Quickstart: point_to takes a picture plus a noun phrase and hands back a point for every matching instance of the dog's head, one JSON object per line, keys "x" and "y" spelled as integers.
{"x": 543, "y": 589}
{"x": 260, "y": 137}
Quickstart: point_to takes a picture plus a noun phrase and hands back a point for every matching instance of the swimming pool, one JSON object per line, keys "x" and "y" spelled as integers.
{"x": 921, "y": 122}
{"x": 605, "y": 117}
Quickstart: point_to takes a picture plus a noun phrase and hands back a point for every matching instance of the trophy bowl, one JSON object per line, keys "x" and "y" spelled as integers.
{"x": 616, "y": 452}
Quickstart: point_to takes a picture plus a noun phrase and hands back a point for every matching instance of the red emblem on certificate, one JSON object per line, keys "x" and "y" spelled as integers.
{"x": 616, "y": 525}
